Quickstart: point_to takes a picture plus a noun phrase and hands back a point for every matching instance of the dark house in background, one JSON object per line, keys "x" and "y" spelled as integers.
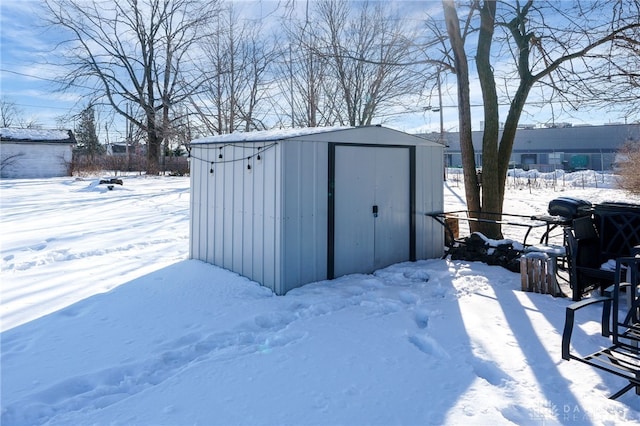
{"x": 121, "y": 149}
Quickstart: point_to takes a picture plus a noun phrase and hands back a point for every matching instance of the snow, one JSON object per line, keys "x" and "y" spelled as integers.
{"x": 34, "y": 134}
{"x": 106, "y": 321}
{"x": 267, "y": 135}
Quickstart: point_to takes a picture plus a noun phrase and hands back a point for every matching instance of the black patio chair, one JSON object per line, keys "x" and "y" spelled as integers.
{"x": 585, "y": 258}
{"x": 620, "y": 324}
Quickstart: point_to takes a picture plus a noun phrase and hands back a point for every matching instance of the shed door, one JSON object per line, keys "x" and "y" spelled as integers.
{"x": 372, "y": 210}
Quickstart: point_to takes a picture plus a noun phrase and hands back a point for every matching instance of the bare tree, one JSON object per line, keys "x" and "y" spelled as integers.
{"x": 9, "y": 113}
{"x": 237, "y": 59}
{"x": 133, "y": 51}
{"x": 363, "y": 51}
{"x": 303, "y": 75}
{"x": 560, "y": 47}
{"x": 350, "y": 62}
{"x": 12, "y": 116}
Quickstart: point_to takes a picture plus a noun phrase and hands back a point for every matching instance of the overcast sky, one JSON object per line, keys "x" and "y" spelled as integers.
{"x": 27, "y": 78}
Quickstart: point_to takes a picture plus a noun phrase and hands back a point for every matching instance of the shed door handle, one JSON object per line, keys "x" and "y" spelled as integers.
{"x": 375, "y": 211}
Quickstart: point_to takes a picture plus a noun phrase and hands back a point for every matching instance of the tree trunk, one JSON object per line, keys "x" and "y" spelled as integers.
{"x": 471, "y": 184}
{"x": 153, "y": 144}
{"x": 491, "y": 207}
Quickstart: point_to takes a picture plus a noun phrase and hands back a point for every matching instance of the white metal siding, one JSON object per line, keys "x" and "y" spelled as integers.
{"x": 199, "y": 189}
{"x": 429, "y": 198}
{"x": 305, "y": 214}
{"x": 235, "y": 211}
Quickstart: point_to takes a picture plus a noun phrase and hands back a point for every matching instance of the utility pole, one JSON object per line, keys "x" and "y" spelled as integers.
{"x": 441, "y": 135}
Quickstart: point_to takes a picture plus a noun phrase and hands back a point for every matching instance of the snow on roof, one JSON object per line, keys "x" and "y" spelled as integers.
{"x": 34, "y": 134}
{"x": 267, "y": 135}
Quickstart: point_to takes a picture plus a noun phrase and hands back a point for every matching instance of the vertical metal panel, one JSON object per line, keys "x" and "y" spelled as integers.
{"x": 275, "y": 213}
{"x": 245, "y": 233}
{"x": 250, "y": 213}
{"x": 207, "y": 194}
{"x": 235, "y": 211}
{"x": 239, "y": 175}
{"x": 294, "y": 179}
{"x": 198, "y": 218}
{"x": 429, "y": 198}
{"x": 260, "y": 215}
{"x": 202, "y": 211}
{"x": 257, "y": 222}
{"x": 317, "y": 217}
{"x": 194, "y": 206}
{"x": 354, "y": 194}
{"x": 268, "y": 218}
{"x": 205, "y": 184}
{"x": 232, "y": 187}
{"x": 217, "y": 208}
{"x": 305, "y": 213}
{"x": 247, "y": 221}
{"x": 393, "y": 197}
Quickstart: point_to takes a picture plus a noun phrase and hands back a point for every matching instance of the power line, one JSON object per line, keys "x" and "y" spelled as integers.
{"x": 43, "y": 78}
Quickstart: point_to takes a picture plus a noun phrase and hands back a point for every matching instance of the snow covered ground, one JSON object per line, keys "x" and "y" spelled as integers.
{"x": 105, "y": 321}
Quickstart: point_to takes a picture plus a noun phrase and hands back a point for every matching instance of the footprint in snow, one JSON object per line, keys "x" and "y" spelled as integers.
{"x": 428, "y": 345}
{"x": 422, "y": 318}
{"x": 418, "y": 276}
{"x": 489, "y": 371}
{"x": 70, "y": 312}
{"x": 106, "y": 387}
{"x": 274, "y": 320}
{"x": 408, "y": 297}
{"x": 38, "y": 247}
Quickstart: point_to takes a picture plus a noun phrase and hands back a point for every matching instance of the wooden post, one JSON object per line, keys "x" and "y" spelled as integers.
{"x": 451, "y": 223}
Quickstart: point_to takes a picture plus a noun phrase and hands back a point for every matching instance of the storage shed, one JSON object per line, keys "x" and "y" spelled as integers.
{"x": 289, "y": 207}
{"x": 35, "y": 153}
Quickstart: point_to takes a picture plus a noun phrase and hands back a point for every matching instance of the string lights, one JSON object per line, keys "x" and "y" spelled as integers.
{"x": 221, "y": 159}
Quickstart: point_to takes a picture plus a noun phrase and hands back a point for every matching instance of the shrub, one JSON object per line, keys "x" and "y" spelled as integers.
{"x": 628, "y": 160}
{"x": 88, "y": 165}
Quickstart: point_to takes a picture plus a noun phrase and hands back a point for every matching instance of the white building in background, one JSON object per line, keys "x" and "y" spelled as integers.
{"x": 289, "y": 207}
{"x": 35, "y": 153}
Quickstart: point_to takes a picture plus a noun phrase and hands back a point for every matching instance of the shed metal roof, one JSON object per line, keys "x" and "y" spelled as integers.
{"x": 298, "y": 134}
{"x": 266, "y": 135}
